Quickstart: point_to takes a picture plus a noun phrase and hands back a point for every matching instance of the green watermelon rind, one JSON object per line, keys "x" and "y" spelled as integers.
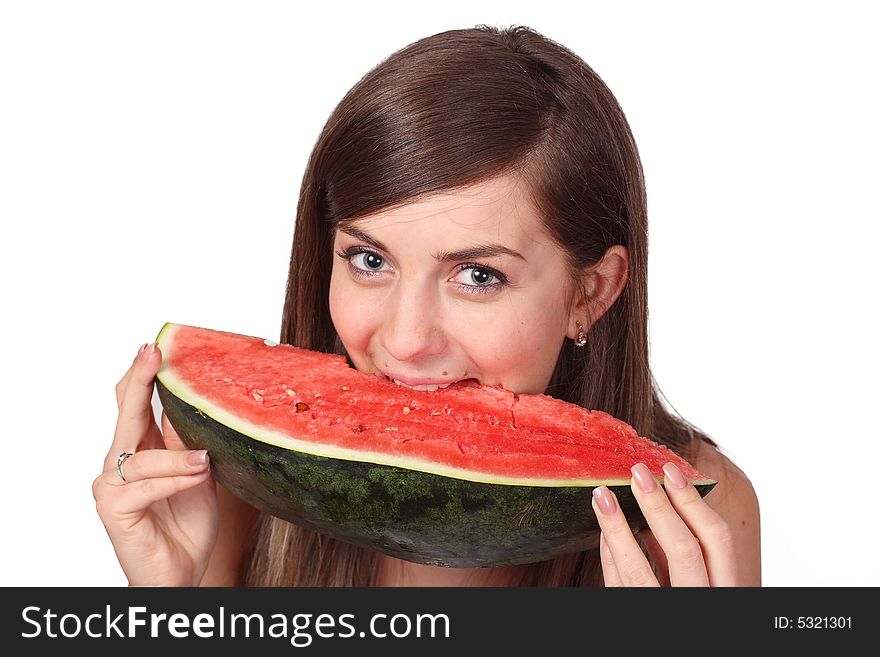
{"x": 408, "y": 514}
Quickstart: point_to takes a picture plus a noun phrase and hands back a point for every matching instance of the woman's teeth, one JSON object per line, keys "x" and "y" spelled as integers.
{"x": 428, "y": 387}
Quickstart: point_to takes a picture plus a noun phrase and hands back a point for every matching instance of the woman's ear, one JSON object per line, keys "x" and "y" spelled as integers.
{"x": 602, "y": 284}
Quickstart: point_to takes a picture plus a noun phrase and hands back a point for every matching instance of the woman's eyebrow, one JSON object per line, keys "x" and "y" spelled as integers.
{"x": 477, "y": 251}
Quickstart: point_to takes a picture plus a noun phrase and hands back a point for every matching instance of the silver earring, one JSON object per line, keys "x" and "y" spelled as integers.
{"x": 581, "y": 338}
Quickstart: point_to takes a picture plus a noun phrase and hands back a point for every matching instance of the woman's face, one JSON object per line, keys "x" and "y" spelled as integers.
{"x": 411, "y": 303}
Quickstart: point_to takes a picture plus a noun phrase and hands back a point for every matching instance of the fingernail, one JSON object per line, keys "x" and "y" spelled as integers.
{"x": 643, "y": 477}
{"x": 148, "y": 351}
{"x": 604, "y": 500}
{"x": 140, "y": 353}
{"x": 197, "y": 458}
{"x": 674, "y": 478}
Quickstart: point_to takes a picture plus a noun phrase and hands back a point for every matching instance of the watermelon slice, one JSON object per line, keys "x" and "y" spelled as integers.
{"x": 465, "y": 476}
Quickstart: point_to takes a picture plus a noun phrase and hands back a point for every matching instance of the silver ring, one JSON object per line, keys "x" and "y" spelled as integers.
{"x": 119, "y": 461}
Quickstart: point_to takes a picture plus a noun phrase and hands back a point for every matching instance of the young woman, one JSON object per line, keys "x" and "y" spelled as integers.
{"x": 473, "y": 208}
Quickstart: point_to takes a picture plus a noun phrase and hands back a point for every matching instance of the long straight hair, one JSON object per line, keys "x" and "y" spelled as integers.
{"x": 448, "y": 111}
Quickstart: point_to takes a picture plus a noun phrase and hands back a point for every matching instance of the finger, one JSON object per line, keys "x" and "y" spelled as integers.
{"x": 683, "y": 551}
{"x": 631, "y": 563}
{"x": 609, "y": 569}
{"x": 706, "y": 524}
{"x": 655, "y": 553}
{"x": 170, "y": 436}
{"x": 136, "y": 423}
{"x": 152, "y": 463}
{"x": 137, "y": 496}
{"x": 123, "y": 382}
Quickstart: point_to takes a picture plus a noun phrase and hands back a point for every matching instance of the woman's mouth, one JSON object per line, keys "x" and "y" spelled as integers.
{"x": 428, "y": 387}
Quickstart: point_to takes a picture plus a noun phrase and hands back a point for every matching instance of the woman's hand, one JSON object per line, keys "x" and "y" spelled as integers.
{"x": 688, "y": 540}
{"x": 162, "y": 518}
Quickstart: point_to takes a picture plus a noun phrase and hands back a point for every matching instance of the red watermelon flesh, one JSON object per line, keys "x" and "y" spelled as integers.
{"x": 315, "y": 403}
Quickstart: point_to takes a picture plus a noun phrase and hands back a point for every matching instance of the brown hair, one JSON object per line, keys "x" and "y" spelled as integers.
{"x": 445, "y": 112}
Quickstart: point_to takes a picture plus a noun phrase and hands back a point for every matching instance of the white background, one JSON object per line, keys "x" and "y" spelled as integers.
{"x": 150, "y": 160}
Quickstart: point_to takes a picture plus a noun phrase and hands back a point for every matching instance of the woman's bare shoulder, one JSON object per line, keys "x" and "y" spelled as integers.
{"x": 735, "y": 500}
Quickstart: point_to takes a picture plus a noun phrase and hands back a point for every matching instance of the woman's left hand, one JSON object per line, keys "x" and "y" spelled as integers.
{"x": 689, "y": 541}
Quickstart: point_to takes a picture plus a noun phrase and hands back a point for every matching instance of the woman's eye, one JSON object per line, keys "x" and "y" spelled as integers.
{"x": 476, "y": 276}
{"x": 369, "y": 260}
{"x": 471, "y": 278}
{"x": 362, "y": 263}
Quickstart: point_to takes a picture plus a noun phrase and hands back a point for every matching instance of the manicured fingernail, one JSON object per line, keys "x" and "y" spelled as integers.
{"x": 604, "y": 500}
{"x": 140, "y": 354}
{"x": 148, "y": 350}
{"x": 644, "y": 479}
{"x": 674, "y": 478}
{"x": 197, "y": 458}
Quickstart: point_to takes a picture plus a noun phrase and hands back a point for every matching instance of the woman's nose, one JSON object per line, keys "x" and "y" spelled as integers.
{"x": 413, "y": 326}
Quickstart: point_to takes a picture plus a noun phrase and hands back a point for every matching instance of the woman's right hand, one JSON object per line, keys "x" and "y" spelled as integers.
{"x": 162, "y": 519}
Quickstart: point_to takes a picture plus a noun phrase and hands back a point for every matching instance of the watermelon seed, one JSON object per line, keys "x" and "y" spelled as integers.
{"x": 436, "y": 412}
{"x": 406, "y": 409}
{"x": 343, "y": 387}
{"x": 227, "y": 379}
{"x": 291, "y": 392}
{"x": 257, "y": 396}
{"x": 269, "y": 343}
{"x": 302, "y": 406}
